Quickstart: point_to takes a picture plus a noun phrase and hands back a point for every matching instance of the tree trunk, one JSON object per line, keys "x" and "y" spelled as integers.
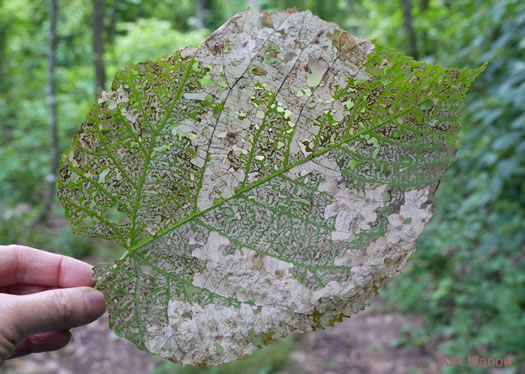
{"x": 424, "y": 47}
{"x": 407, "y": 14}
{"x": 51, "y": 178}
{"x": 3, "y": 46}
{"x": 199, "y": 14}
{"x": 113, "y": 22}
{"x": 98, "y": 46}
{"x": 3, "y": 42}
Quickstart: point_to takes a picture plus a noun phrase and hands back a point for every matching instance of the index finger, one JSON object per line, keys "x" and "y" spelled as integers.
{"x": 25, "y": 265}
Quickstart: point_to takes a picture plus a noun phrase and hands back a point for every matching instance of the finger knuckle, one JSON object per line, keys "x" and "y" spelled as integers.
{"x": 62, "y": 305}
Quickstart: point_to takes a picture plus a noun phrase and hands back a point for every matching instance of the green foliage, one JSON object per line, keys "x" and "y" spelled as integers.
{"x": 468, "y": 274}
{"x": 56, "y": 237}
{"x": 147, "y": 39}
{"x": 23, "y": 102}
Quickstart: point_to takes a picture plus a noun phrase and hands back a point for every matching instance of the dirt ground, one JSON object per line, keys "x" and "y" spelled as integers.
{"x": 373, "y": 341}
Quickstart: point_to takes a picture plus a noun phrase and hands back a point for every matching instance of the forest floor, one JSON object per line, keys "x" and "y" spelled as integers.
{"x": 375, "y": 340}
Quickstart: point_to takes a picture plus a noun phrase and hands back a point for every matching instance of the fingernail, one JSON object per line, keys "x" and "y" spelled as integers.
{"x": 95, "y": 303}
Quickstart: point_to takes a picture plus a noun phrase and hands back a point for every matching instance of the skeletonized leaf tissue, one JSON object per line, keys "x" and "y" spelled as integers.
{"x": 269, "y": 181}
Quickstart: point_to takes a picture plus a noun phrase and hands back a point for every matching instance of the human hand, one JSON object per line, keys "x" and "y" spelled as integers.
{"x": 42, "y": 296}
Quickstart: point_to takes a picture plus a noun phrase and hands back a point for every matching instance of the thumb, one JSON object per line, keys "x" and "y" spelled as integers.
{"x": 58, "y": 309}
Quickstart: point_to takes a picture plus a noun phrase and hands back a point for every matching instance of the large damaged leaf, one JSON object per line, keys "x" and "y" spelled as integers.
{"x": 269, "y": 181}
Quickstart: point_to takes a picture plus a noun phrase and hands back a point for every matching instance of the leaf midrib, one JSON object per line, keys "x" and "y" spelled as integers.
{"x": 261, "y": 181}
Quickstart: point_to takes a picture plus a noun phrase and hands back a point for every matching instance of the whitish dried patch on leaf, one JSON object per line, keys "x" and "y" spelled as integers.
{"x": 269, "y": 181}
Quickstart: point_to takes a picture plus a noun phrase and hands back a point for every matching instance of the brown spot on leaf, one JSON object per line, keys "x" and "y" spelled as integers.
{"x": 342, "y": 42}
{"x": 256, "y": 70}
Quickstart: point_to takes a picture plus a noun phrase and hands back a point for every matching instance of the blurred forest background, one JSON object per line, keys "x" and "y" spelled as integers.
{"x": 468, "y": 274}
